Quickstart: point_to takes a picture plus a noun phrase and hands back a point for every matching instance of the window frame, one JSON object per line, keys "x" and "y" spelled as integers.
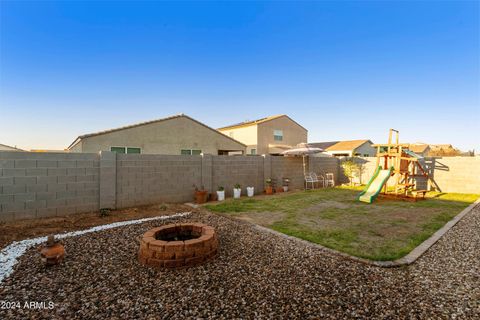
{"x": 277, "y": 137}
{"x": 125, "y": 149}
{"x": 191, "y": 152}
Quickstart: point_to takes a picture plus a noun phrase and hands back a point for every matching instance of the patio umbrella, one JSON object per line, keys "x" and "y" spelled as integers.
{"x": 302, "y": 149}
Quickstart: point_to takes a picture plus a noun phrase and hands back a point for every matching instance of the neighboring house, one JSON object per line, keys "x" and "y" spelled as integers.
{"x": 349, "y": 148}
{"x": 421, "y": 149}
{"x": 174, "y": 135}
{"x": 4, "y": 147}
{"x": 443, "y": 150}
{"x": 434, "y": 150}
{"x": 270, "y": 135}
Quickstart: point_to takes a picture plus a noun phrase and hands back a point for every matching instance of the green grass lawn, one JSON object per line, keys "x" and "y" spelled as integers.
{"x": 383, "y": 230}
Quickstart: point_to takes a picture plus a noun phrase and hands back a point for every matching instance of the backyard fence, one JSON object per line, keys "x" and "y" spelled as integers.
{"x": 48, "y": 184}
{"x": 449, "y": 174}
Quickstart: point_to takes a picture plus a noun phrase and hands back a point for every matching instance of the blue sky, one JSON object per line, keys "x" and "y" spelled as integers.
{"x": 344, "y": 70}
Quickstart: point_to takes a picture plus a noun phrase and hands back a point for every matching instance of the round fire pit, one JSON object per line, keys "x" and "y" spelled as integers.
{"x": 178, "y": 245}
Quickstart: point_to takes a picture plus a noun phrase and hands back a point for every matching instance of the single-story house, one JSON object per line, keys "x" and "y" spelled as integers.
{"x": 4, "y": 147}
{"x": 269, "y": 135}
{"x": 348, "y": 148}
{"x": 173, "y": 135}
{"x": 421, "y": 149}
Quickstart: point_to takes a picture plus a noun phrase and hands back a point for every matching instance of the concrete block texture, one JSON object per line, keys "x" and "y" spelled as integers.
{"x": 48, "y": 184}
{"x": 36, "y": 185}
{"x": 108, "y": 179}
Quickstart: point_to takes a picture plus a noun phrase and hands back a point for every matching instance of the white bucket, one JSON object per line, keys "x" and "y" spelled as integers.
{"x": 221, "y": 195}
{"x": 250, "y": 191}
{"x": 236, "y": 193}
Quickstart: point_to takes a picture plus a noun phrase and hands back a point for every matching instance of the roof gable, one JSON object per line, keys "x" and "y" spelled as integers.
{"x": 259, "y": 121}
{"x": 419, "y": 148}
{"x": 79, "y": 138}
{"x": 348, "y": 145}
{"x": 10, "y": 147}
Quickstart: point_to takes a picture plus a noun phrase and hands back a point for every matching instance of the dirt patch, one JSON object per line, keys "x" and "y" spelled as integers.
{"x": 327, "y": 205}
{"x": 262, "y": 218}
{"x": 24, "y": 229}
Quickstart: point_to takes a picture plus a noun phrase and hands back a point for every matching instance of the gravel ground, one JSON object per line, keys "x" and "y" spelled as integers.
{"x": 256, "y": 275}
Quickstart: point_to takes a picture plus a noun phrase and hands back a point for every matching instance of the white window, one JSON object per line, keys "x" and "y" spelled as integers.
{"x": 253, "y": 151}
{"x": 190, "y": 152}
{"x": 278, "y": 135}
{"x": 126, "y": 149}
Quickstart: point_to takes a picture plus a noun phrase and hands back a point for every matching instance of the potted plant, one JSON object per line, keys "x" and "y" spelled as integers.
{"x": 237, "y": 191}
{"x": 286, "y": 182}
{"x": 200, "y": 194}
{"x": 250, "y": 191}
{"x": 212, "y": 196}
{"x": 221, "y": 193}
{"x": 269, "y": 187}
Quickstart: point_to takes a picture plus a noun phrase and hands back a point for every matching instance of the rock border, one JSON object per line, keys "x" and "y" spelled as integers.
{"x": 404, "y": 261}
{"x": 10, "y": 254}
{"x": 177, "y": 254}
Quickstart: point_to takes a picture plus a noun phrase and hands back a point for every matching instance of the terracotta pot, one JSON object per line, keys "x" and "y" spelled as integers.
{"x": 53, "y": 252}
{"x": 269, "y": 190}
{"x": 213, "y": 196}
{"x": 279, "y": 189}
{"x": 201, "y": 196}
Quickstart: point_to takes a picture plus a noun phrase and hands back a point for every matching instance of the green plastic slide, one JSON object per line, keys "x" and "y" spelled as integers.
{"x": 375, "y": 185}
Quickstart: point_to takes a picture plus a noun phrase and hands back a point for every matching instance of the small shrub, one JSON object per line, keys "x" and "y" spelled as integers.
{"x": 237, "y": 186}
{"x": 350, "y": 168}
{"x": 162, "y": 207}
{"x": 220, "y": 188}
{"x": 104, "y": 212}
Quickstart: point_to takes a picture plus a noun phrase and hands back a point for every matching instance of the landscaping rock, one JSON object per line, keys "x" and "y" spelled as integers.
{"x": 255, "y": 275}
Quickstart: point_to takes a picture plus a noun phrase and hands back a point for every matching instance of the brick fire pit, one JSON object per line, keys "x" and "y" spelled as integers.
{"x": 178, "y": 245}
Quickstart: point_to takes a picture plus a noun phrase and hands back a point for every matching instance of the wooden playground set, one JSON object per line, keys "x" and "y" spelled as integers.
{"x": 395, "y": 160}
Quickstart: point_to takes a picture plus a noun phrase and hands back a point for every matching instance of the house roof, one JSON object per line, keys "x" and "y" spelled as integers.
{"x": 441, "y": 146}
{"x": 79, "y": 138}
{"x": 258, "y": 121}
{"x": 323, "y": 145}
{"x": 10, "y": 147}
{"x": 418, "y": 148}
{"x": 348, "y": 145}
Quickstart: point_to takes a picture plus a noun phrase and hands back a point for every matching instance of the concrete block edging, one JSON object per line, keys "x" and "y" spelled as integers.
{"x": 404, "y": 261}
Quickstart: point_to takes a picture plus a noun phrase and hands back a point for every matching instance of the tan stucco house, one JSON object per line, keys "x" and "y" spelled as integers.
{"x": 270, "y": 135}
{"x": 173, "y": 135}
{"x": 348, "y": 148}
{"x": 421, "y": 149}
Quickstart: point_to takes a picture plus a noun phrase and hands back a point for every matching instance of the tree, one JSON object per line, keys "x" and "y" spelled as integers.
{"x": 350, "y": 168}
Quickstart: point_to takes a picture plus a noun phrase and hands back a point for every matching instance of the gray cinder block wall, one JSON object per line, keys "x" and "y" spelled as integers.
{"x": 36, "y": 185}
{"x": 148, "y": 179}
{"x": 46, "y": 184}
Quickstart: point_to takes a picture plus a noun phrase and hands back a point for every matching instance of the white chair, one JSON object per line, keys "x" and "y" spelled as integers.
{"x": 321, "y": 180}
{"x": 318, "y": 179}
{"x": 329, "y": 180}
{"x": 312, "y": 179}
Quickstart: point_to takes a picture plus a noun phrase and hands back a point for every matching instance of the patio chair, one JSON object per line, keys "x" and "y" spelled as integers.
{"x": 321, "y": 180}
{"x": 329, "y": 180}
{"x": 310, "y": 178}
